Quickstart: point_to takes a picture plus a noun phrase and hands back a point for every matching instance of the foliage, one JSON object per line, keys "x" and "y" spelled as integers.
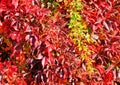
{"x": 103, "y": 17}
{"x": 81, "y": 34}
{"x": 40, "y": 47}
{"x": 59, "y": 42}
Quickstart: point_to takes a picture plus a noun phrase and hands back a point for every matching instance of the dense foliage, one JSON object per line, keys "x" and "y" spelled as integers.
{"x": 59, "y": 42}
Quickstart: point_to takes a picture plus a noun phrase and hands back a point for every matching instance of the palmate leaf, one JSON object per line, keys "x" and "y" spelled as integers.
{"x": 80, "y": 33}
{"x": 37, "y": 47}
{"x": 40, "y": 46}
{"x": 100, "y": 17}
{"x": 15, "y": 3}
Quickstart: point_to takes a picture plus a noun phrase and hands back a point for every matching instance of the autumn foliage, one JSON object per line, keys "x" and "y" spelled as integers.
{"x": 59, "y": 42}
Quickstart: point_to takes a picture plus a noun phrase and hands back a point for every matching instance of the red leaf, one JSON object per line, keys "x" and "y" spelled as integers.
{"x": 44, "y": 61}
{"x": 39, "y": 56}
{"x": 15, "y": 3}
{"x": 108, "y": 77}
{"x": 6, "y": 5}
{"x": 13, "y": 35}
{"x": 110, "y": 68}
{"x": 94, "y": 83}
{"x": 100, "y": 68}
{"x": 45, "y": 11}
